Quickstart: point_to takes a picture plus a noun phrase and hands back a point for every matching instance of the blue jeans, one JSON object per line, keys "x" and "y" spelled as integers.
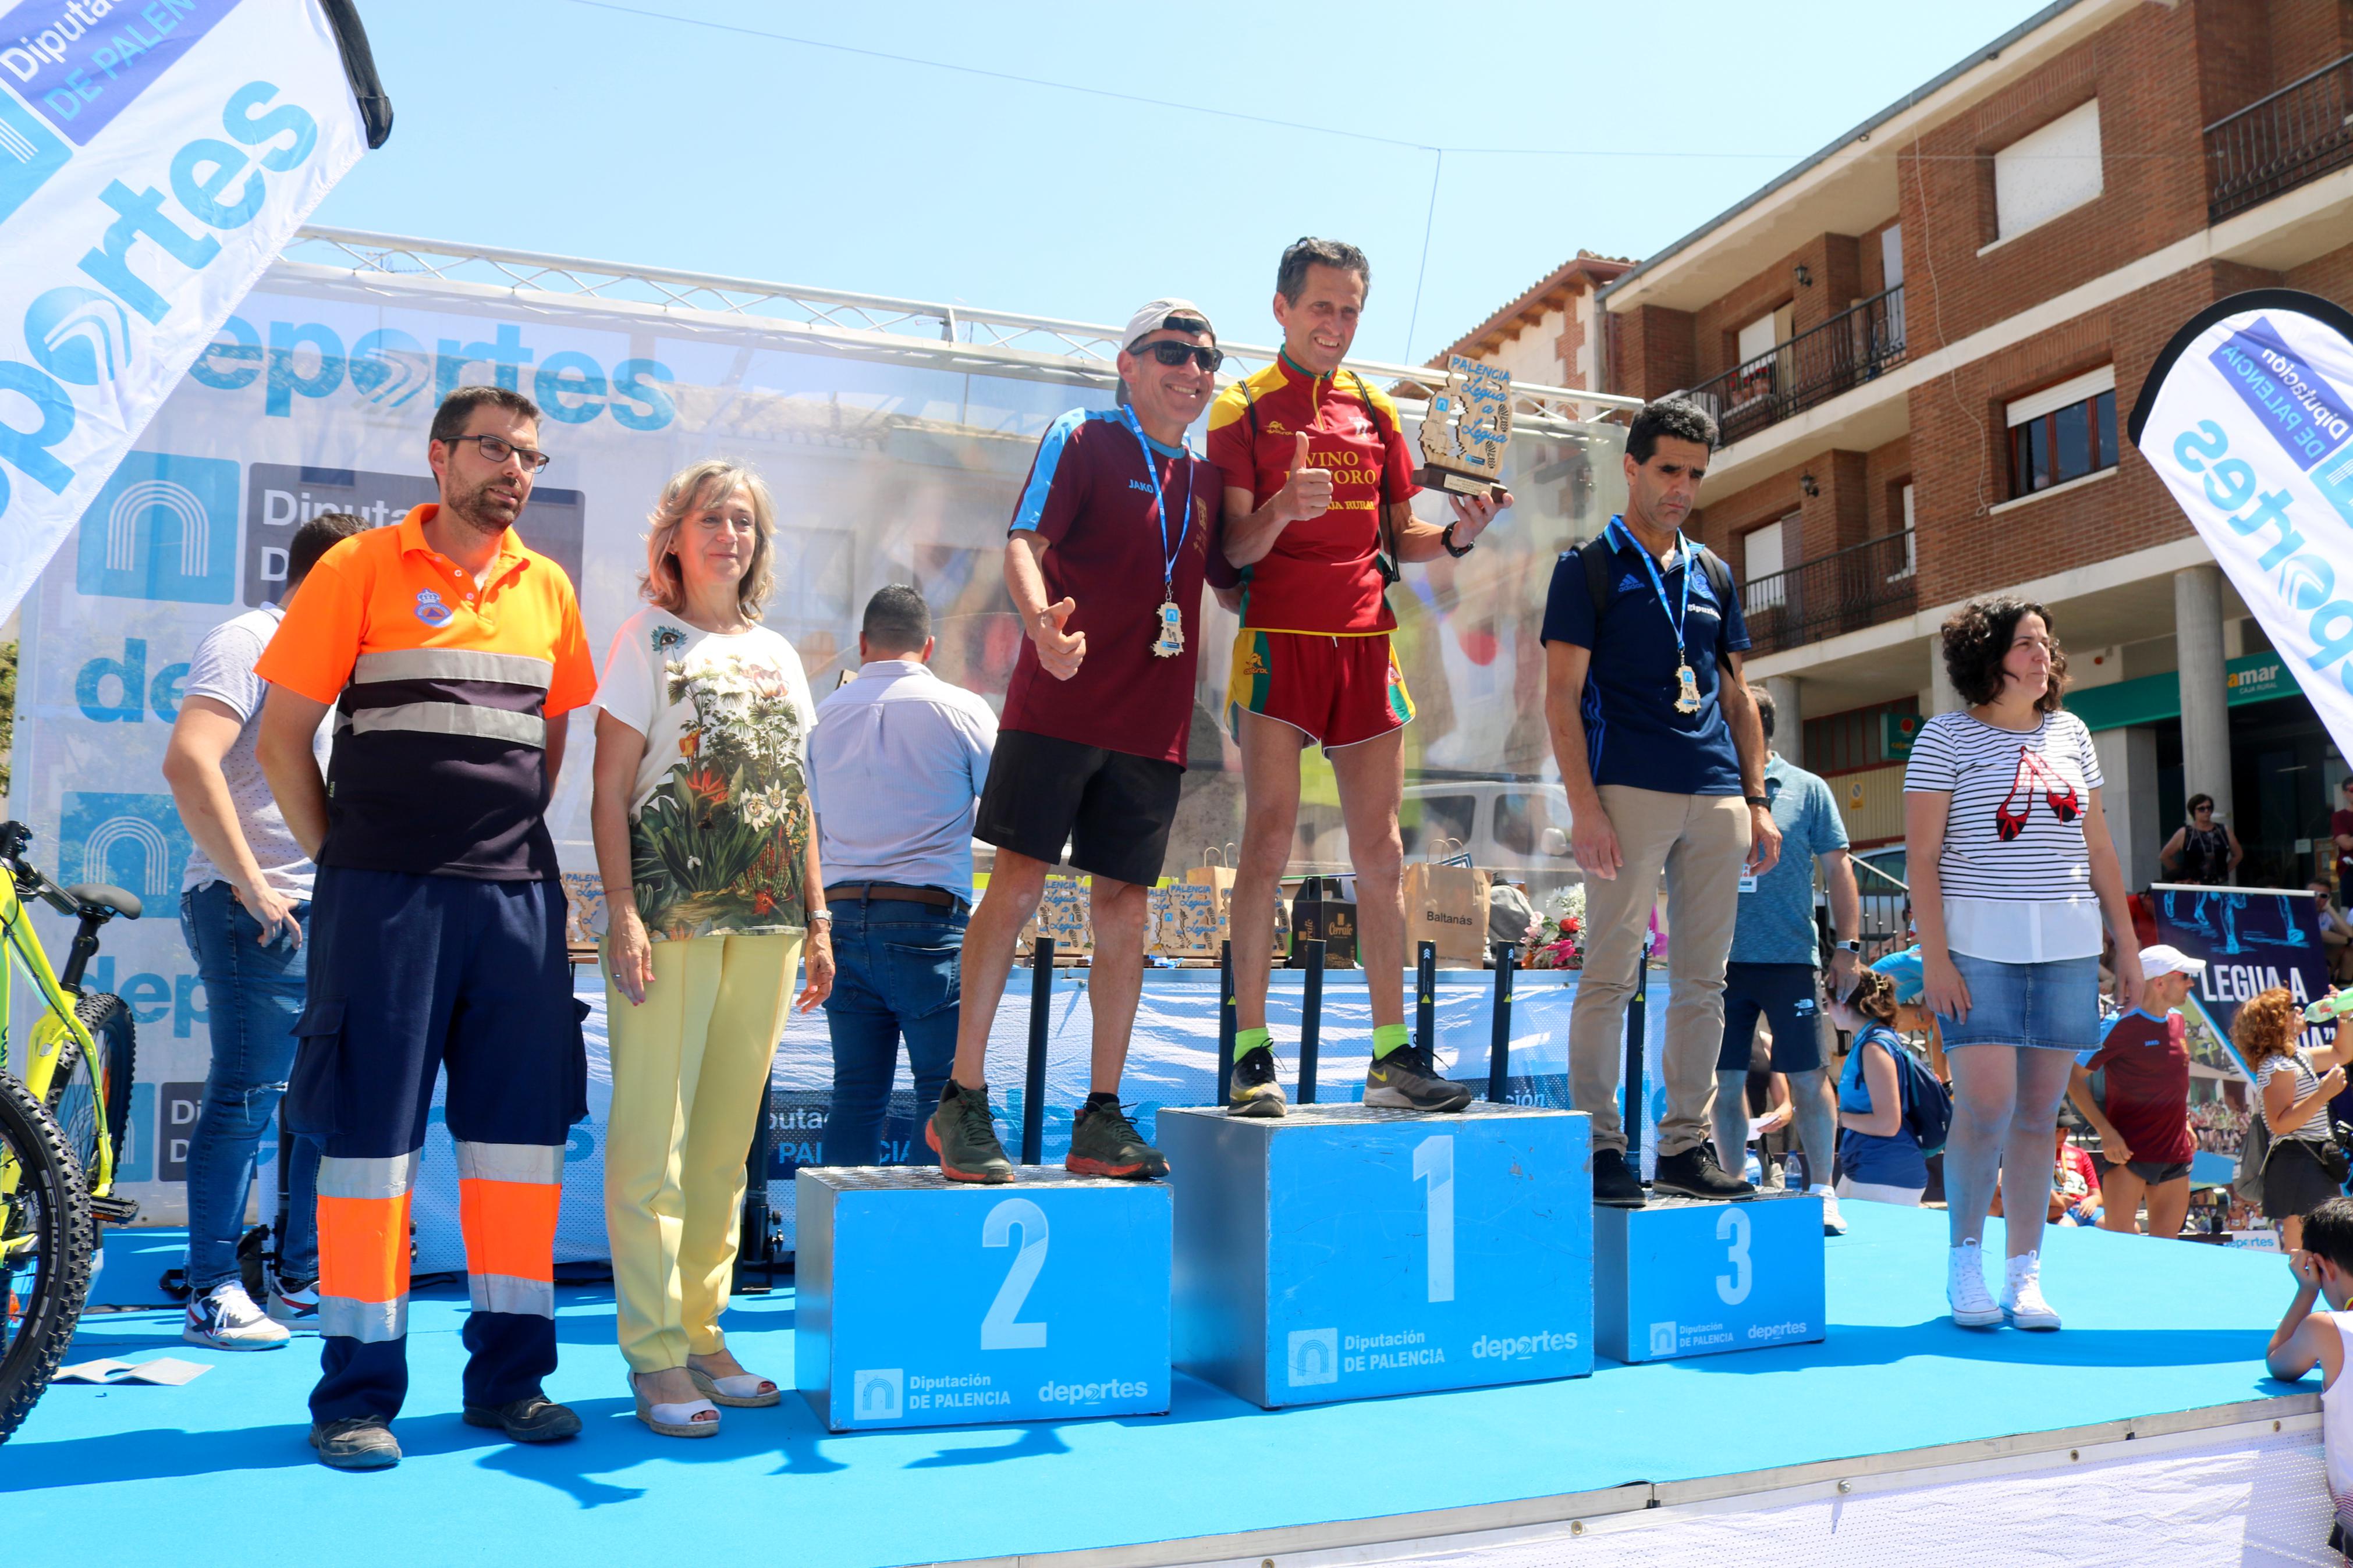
{"x": 252, "y": 995}
{"x": 898, "y": 971}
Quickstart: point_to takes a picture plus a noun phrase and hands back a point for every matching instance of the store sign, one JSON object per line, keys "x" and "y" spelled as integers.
{"x": 1896, "y": 733}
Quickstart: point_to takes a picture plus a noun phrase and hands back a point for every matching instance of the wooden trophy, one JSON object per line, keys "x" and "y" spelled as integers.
{"x": 1466, "y": 430}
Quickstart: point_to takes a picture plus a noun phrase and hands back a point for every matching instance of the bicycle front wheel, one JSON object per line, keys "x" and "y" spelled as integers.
{"x": 46, "y": 1238}
{"x": 77, "y": 1092}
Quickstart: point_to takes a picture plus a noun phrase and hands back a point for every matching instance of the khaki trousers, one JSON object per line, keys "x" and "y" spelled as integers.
{"x": 690, "y": 1073}
{"x": 1700, "y": 842}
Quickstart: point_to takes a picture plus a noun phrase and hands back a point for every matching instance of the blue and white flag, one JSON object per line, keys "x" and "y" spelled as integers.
{"x": 155, "y": 156}
{"x": 2248, "y": 417}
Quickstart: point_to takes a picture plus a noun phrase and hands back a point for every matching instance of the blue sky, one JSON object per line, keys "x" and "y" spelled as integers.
{"x": 605, "y": 130}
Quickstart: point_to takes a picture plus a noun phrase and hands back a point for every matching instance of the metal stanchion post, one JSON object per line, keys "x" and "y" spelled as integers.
{"x": 1638, "y": 1019}
{"x": 1311, "y": 1019}
{"x": 1499, "y": 1042}
{"x": 1033, "y": 1092}
{"x": 1226, "y": 1027}
{"x": 1425, "y": 1006}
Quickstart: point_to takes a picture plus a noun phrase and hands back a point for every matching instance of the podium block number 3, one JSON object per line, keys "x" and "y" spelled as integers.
{"x": 1433, "y": 1161}
{"x": 999, "y": 1331}
{"x": 1731, "y": 1228}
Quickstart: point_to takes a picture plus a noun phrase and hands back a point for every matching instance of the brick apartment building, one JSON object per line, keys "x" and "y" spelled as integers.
{"x": 1923, "y": 342}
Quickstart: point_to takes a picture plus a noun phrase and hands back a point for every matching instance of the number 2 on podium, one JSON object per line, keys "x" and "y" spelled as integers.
{"x": 1433, "y": 1161}
{"x": 998, "y": 1329}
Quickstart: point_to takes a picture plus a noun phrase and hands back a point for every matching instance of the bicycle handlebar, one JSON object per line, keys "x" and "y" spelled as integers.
{"x": 15, "y": 837}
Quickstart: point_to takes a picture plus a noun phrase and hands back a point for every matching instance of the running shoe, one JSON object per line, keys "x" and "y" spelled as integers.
{"x": 1104, "y": 1142}
{"x": 293, "y": 1302}
{"x": 1694, "y": 1174}
{"x": 964, "y": 1135}
{"x": 1405, "y": 1080}
{"x": 226, "y": 1319}
{"x": 1254, "y": 1091}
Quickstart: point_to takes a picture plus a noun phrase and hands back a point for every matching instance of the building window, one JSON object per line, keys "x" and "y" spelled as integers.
{"x": 1761, "y": 561}
{"x": 1911, "y": 548}
{"x": 2047, "y": 172}
{"x": 2063, "y": 432}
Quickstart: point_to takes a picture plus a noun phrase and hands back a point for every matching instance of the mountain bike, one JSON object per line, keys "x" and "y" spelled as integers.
{"x": 61, "y": 1123}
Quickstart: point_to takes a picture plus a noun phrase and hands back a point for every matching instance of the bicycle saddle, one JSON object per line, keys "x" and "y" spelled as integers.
{"x": 114, "y": 900}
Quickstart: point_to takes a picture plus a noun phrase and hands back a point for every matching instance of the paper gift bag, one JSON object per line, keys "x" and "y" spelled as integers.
{"x": 1447, "y": 905}
{"x": 1062, "y": 914}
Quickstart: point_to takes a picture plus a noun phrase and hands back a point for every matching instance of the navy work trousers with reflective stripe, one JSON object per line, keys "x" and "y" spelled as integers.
{"x": 409, "y": 973}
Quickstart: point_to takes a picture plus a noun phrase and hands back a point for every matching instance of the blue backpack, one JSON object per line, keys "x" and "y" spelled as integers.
{"x": 1927, "y": 1103}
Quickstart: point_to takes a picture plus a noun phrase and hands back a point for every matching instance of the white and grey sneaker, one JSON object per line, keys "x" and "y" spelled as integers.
{"x": 2021, "y": 1295}
{"x": 1833, "y": 1222}
{"x": 226, "y": 1320}
{"x": 293, "y": 1302}
{"x": 1965, "y": 1287}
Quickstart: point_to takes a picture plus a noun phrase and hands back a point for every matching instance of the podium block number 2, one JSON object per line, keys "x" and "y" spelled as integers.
{"x": 1731, "y": 1228}
{"x": 1433, "y": 1161}
{"x": 1000, "y": 1331}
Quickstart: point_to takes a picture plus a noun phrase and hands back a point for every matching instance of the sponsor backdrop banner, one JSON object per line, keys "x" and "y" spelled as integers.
{"x": 2252, "y": 939}
{"x": 2248, "y": 417}
{"x": 315, "y": 395}
{"x": 154, "y": 159}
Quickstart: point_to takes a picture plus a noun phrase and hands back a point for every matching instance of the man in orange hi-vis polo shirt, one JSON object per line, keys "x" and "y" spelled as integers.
{"x": 451, "y": 654}
{"x": 1318, "y": 515}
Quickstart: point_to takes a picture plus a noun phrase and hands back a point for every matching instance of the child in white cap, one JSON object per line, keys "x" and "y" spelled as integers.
{"x": 2146, "y": 1137}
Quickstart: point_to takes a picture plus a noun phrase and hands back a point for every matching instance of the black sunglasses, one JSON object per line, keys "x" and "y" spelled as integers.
{"x": 1169, "y": 352}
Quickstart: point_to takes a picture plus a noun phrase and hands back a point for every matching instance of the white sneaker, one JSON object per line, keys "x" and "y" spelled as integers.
{"x": 1965, "y": 1287}
{"x": 2021, "y": 1296}
{"x": 1833, "y": 1222}
{"x": 226, "y": 1320}
{"x": 293, "y": 1304}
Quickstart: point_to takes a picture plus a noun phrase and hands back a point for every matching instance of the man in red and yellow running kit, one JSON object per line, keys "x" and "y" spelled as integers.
{"x": 1318, "y": 491}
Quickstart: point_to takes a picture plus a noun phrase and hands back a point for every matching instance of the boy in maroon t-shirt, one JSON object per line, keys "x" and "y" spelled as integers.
{"x": 2145, "y": 1138}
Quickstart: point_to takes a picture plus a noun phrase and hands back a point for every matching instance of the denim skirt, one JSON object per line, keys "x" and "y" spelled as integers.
{"x": 2054, "y": 1006}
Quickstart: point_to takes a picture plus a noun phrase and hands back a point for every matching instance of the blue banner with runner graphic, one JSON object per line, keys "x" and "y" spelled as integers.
{"x": 2252, "y": 939}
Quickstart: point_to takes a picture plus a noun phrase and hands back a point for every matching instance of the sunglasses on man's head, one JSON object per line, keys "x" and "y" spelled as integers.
{"x": 1169, "y": 352}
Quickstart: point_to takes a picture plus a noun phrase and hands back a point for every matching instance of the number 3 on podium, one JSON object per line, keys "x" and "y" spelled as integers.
{"x": 1733, "y": 1289}
{"x": 999, "y": 1331}
{"x": 1433, "y": 1161}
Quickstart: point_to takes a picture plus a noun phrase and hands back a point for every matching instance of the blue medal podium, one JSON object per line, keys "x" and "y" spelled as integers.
{"x": 927, "y": 1302}
{"x": 1346, "y": 1252}
{"x": 1686, "y": 1278}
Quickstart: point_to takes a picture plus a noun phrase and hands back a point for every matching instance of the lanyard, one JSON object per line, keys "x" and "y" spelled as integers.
{"x": 1169, "y": 553}
{"x": 1675, "y": 617}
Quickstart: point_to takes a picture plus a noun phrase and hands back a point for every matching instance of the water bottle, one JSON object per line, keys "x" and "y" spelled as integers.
{"x": 2336, "y": 1005}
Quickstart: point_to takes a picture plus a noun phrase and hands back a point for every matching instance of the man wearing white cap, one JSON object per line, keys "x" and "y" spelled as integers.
{"x": 2145, "y": 1138}
{"x": 1104, "y": 565}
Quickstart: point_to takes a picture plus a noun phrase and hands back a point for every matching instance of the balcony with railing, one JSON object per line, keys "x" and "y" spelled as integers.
{"x": 1845, "y": 591}
{"x": 1812, "y": 368}
{"x": 2279, "y": 143}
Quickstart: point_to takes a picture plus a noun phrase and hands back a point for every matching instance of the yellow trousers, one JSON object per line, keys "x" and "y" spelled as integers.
{"x": 689, "y": 1078}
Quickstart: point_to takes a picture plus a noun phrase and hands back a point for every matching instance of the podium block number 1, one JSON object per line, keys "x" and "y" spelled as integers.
{"x": 1000, "y": 1331}
{"x": 1433, "y": 1161}
{"x": 1731, "y": 1228}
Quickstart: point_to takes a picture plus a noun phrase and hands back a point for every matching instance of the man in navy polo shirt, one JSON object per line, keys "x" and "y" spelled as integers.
{"x": 1663, "y": 758}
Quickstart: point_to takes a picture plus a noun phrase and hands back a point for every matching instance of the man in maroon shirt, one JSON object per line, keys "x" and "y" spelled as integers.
{"x": 2145, "y": 1138}
{"x": 1104, "y": 565}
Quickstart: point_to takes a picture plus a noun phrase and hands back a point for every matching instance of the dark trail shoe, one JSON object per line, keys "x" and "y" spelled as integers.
{"x": 962, "y": 1133}
{"x": 1404, "y": 1079}
{"x": 533, "y": 1418}
{"x": 355, "y": 1443}
{"x": 1615, "y": 1183}
{"x": 1104, "y": 1142}
{"x": 1254, "y": 1091}
{"x": 1694, "y": 1174}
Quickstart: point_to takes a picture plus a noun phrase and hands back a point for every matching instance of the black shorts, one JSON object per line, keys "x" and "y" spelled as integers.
{"x": 2294, "y": 1182}
{"x": 1787, "y": 995}
{"x": 1112, "y": 809}
{"x": 2156, "y": 1172}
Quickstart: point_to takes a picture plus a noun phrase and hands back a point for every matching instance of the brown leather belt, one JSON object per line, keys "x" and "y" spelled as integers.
{"x": 864, "y": 892}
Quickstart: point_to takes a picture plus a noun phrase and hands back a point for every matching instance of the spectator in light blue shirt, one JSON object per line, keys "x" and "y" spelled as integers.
{"x": 896, "y": 765}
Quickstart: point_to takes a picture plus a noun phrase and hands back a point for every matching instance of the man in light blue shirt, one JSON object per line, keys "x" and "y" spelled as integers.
{"x": 1773, "y": 974}
{"x": 896, "y": 765}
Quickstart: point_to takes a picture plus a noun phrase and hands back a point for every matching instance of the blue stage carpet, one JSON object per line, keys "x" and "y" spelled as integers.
{"x": 146, "y": 1475}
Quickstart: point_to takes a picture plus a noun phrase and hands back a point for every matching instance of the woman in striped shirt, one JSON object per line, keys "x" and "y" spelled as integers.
{"x": 2012, "y": 876}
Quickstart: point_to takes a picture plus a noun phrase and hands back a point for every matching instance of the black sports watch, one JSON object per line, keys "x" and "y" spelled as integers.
{"x": 1763, "y": 800}
{"x": 1447, "y": 539}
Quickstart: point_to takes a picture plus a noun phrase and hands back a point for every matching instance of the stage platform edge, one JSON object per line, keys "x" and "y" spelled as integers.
{"x": 1518, "y": 1530}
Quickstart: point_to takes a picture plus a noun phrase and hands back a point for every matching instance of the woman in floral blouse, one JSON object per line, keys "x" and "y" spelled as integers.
{"x": 708, "y": 849}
